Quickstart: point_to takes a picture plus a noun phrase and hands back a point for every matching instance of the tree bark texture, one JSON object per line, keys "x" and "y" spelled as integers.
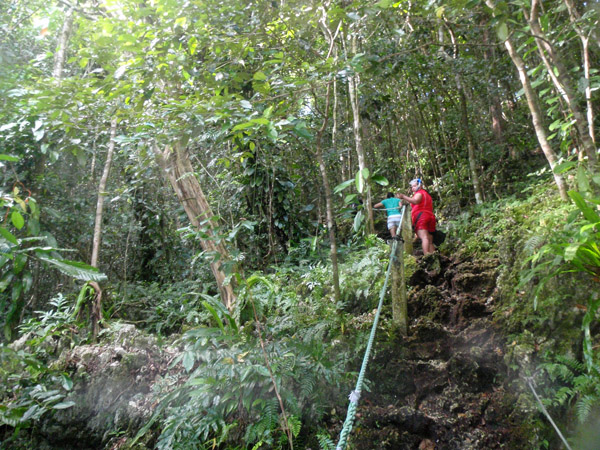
{"x": 101, "y": 193}
{"x": 585, "y": 49}
{"x": 175, "y": 163}
{"x": 331, "y": 226}
{"x": 63, "y": 43}
{"x": 353, "y": 83}
{"x": 536, "y": 113}
{"x": 563, "y": 84}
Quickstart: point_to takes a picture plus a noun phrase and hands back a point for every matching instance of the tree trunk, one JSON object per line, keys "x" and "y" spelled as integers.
{"x": 61, "y": 48}
{"x": 563, "y": 84}
{"x": 536, "y": 113}
{"x": 464, "y": 117}
{"x": 96, "y": 299}
{"x": 353, "y": 83}
{"x": 498, "y": 123}
{"x": 585, "y": 42}
{"x": 175, "y": 163}
{"x": 101, "y": 194}
{"x": 331, "y": 226}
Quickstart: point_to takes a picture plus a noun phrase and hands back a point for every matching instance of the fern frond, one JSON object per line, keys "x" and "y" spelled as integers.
{"x": 584, "y": 406}
{"x": 533, "y": 244}
{"x": 325, "y": 442}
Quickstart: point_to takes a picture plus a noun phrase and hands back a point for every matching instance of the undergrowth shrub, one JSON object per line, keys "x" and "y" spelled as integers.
{"x": 29, "y": 386}
{"x": 229, "y": 399}
{"x": 160, "y": 308}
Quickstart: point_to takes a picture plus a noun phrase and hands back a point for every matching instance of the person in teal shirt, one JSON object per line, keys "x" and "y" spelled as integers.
{"x": 392, "y": 207}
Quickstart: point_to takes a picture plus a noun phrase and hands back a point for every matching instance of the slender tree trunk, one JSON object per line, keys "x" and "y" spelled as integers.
{"x": 353, "y": 83}
{"x": 96, "y": 300}
{"x": 175, "y": 163}
{"x": 331, "y": 226}
{"x": 464, "y": 118}
{"x": 498, "y": 123}
{"x": 585, "y": 50}
{"x": 334, "y": 131}
{"x": 63, "y": 43}
{"x": 575, "y": 16}
{"x": 563, "y": 84}
{"x": 536, "y": 113}
{"x": 101, "y": 194}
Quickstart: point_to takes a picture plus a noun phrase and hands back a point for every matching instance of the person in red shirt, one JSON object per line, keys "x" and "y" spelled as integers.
{"x": 421, "y": 214}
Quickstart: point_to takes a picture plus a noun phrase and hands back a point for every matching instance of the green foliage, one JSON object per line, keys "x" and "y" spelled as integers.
{"x": 228, "y": 396}
{"x": 361, "y": 277}
{"x": 163, "y": 308}
{"x": 579, "y": 386}
{"x": 19, "y": 246}
{"x": 30, "y": 388}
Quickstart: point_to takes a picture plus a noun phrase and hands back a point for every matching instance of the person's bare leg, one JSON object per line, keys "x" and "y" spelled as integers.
{"x": 393, "y": 232}
{"x": 426, "y": 241}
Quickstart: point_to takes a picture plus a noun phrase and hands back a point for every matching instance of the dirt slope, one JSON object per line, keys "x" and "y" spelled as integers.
{"x": 443, "y": 387}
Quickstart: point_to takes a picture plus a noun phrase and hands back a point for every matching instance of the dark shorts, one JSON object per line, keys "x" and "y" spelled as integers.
{"x": 426, "y": 223}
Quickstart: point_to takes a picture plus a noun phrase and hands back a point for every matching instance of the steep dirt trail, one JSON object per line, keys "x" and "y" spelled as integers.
{"x": 444, "y": 386}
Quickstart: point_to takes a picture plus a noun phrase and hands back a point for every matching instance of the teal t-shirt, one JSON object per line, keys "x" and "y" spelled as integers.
{"x": 391, "y": 205}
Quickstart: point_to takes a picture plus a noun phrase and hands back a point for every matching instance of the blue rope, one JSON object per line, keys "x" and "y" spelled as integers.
{"x": 355, "y": 394}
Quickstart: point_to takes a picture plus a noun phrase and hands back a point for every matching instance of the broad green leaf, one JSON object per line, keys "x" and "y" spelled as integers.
{"x": 193, "y": 44}
{"x": 358, "y": 221}
{"x": 9, "y": 158}
{"x": 350, "y": 198}
{"x": 8, "y": 236}
{"x": 30, "y": 413}
{"x": 564, "y": 166}
{"x": 379, "y": 179}
{"x": 340, "y": 187}
{"x": 261, "y": 121}
{"x": 215, "y": 315}
{"x": 502, "y": 31}
{"x": 302, "y": 131}
{"x": 188, "y": 361}
{"x": 259, "y": 76}
{"x": 17, "y": 289}
{"x": 17, "y": 219}
{"x": 19, "y": 263}
{"x": 242, "y": 126}
{"x": 64, "y": 405}
{"x": 75, "y": 269}
{"x": 66, "y": 382}
{"x": 5, "y": 281}
{"x": 582, "y": 180}
{"x": 588, "y": 212}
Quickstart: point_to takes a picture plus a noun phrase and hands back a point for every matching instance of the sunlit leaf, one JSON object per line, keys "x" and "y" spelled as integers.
{"x": 17, "y": 219}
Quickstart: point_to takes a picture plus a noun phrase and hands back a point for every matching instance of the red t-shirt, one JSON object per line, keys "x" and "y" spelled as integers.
{"x": 426, "y": 220}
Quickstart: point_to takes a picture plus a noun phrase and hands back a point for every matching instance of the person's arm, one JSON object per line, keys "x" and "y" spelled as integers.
{"x": 378, "y": 205}
{"x": 418, "y": 198}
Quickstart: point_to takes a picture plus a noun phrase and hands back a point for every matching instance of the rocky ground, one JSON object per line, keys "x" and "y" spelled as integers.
{"x": 445, "y": 385}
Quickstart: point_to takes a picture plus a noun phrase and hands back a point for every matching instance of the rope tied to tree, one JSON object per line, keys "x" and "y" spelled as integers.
{"x": 355, "y": 394}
